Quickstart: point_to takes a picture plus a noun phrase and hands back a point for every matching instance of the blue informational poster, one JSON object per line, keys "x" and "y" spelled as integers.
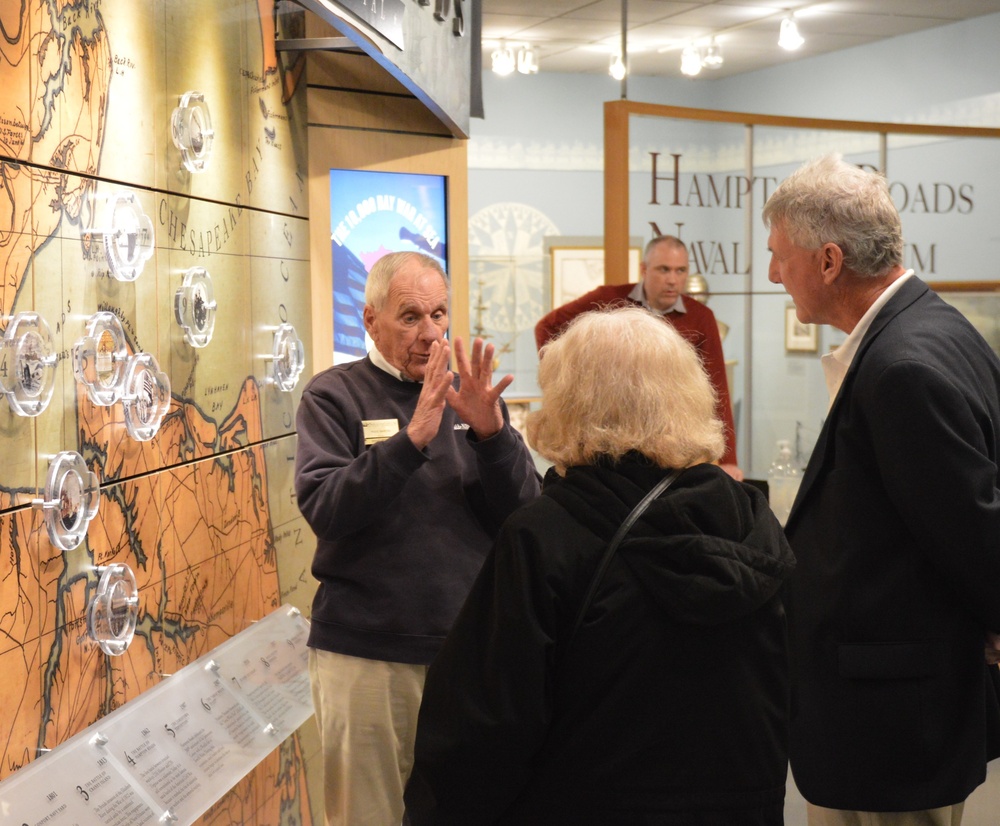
{"x": 372, "y": 214}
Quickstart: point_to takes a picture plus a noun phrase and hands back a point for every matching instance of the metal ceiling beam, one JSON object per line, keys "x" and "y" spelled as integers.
{"x": 316, "y": 44}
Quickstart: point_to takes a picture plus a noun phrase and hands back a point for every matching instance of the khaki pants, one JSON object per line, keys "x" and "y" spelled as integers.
{"x": 366, "y": 711}
{"x": 945, "y": 816}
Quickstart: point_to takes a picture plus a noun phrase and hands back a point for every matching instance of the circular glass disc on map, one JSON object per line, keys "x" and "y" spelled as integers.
{"x": 191, "y": 130}
{"x": 71, "y": 498}
{"x": 194, "y": 307}
{"x": 28, "y": 364}
{"x": 145, "y": 397}
{"x": 99, "y": 359}
{"x": 128, "y": 240}
{"x": 114, "y": 610}
{"x": 289, "y": 357}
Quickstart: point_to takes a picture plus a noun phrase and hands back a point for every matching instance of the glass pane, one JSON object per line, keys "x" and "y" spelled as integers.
{"x": 948, "y": 195}
{"x": 690, "y": 179}
{"x": 706, "y": 182}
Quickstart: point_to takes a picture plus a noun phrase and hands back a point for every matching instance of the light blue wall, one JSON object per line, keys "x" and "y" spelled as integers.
{"x": 948, "y": 75}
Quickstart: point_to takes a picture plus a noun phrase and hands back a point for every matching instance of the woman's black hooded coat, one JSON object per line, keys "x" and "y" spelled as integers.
{"x": 671, "y": 705}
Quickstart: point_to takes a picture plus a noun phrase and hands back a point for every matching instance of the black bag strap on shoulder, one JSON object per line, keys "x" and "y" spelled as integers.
{"x": 609, "y": 552}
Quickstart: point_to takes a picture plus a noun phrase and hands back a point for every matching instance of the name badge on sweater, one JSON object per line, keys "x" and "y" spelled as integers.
{"x": 378, "y": 430}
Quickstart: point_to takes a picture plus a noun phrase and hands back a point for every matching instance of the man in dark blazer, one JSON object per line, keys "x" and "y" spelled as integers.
{"x": 896, "y": 526}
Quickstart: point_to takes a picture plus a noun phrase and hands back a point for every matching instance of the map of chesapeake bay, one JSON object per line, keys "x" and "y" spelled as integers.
{"x": 203, "y": 513}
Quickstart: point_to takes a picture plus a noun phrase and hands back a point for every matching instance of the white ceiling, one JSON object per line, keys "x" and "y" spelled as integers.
{"x": 581, "y": 35}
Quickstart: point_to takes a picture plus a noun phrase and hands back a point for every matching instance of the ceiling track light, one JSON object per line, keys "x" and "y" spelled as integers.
{"x": 527, "y": 60}
{"x": 713, "y": 56}
{"x": 503, "y": 60}
{"x": 788, "y": 36}
{"x": 691, "y": 60}
{"x": 617, "y": 69}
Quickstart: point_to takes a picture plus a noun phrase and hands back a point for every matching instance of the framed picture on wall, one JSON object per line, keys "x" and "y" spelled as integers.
{"x": 799, "y": 337}
{"x": 578, "y": 270}
{"x": 978, "y": 301}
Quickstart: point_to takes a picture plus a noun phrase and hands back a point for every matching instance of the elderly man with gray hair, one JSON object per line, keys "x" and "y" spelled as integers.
{"x": 896, "y": 526}
{"x": 405, "y": 476}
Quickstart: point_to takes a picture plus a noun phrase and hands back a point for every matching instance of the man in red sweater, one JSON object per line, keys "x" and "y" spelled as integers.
{"x": 664, "y": 271}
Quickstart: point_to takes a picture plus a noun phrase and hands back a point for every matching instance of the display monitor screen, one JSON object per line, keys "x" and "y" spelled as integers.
{"x": 372, "y": 214}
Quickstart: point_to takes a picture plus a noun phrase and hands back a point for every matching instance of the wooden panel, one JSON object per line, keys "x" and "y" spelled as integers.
{"x": 379, "y": 126}
{"x": 365, "y": 110}
{"x": 383, "y": 151}
{"x": 616, "y": 194}
{"x": 342, "y": 70}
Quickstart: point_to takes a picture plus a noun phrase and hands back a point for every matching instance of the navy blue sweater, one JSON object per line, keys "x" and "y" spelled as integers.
{"x": 401, "y": 532}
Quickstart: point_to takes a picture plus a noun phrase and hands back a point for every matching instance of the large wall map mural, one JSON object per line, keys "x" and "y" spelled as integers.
{"x": 143, "y": 147}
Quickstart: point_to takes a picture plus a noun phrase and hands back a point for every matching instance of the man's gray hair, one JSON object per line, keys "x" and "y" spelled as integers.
{"x": 383, "y": 271}
{"x": 831, "y": 201}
